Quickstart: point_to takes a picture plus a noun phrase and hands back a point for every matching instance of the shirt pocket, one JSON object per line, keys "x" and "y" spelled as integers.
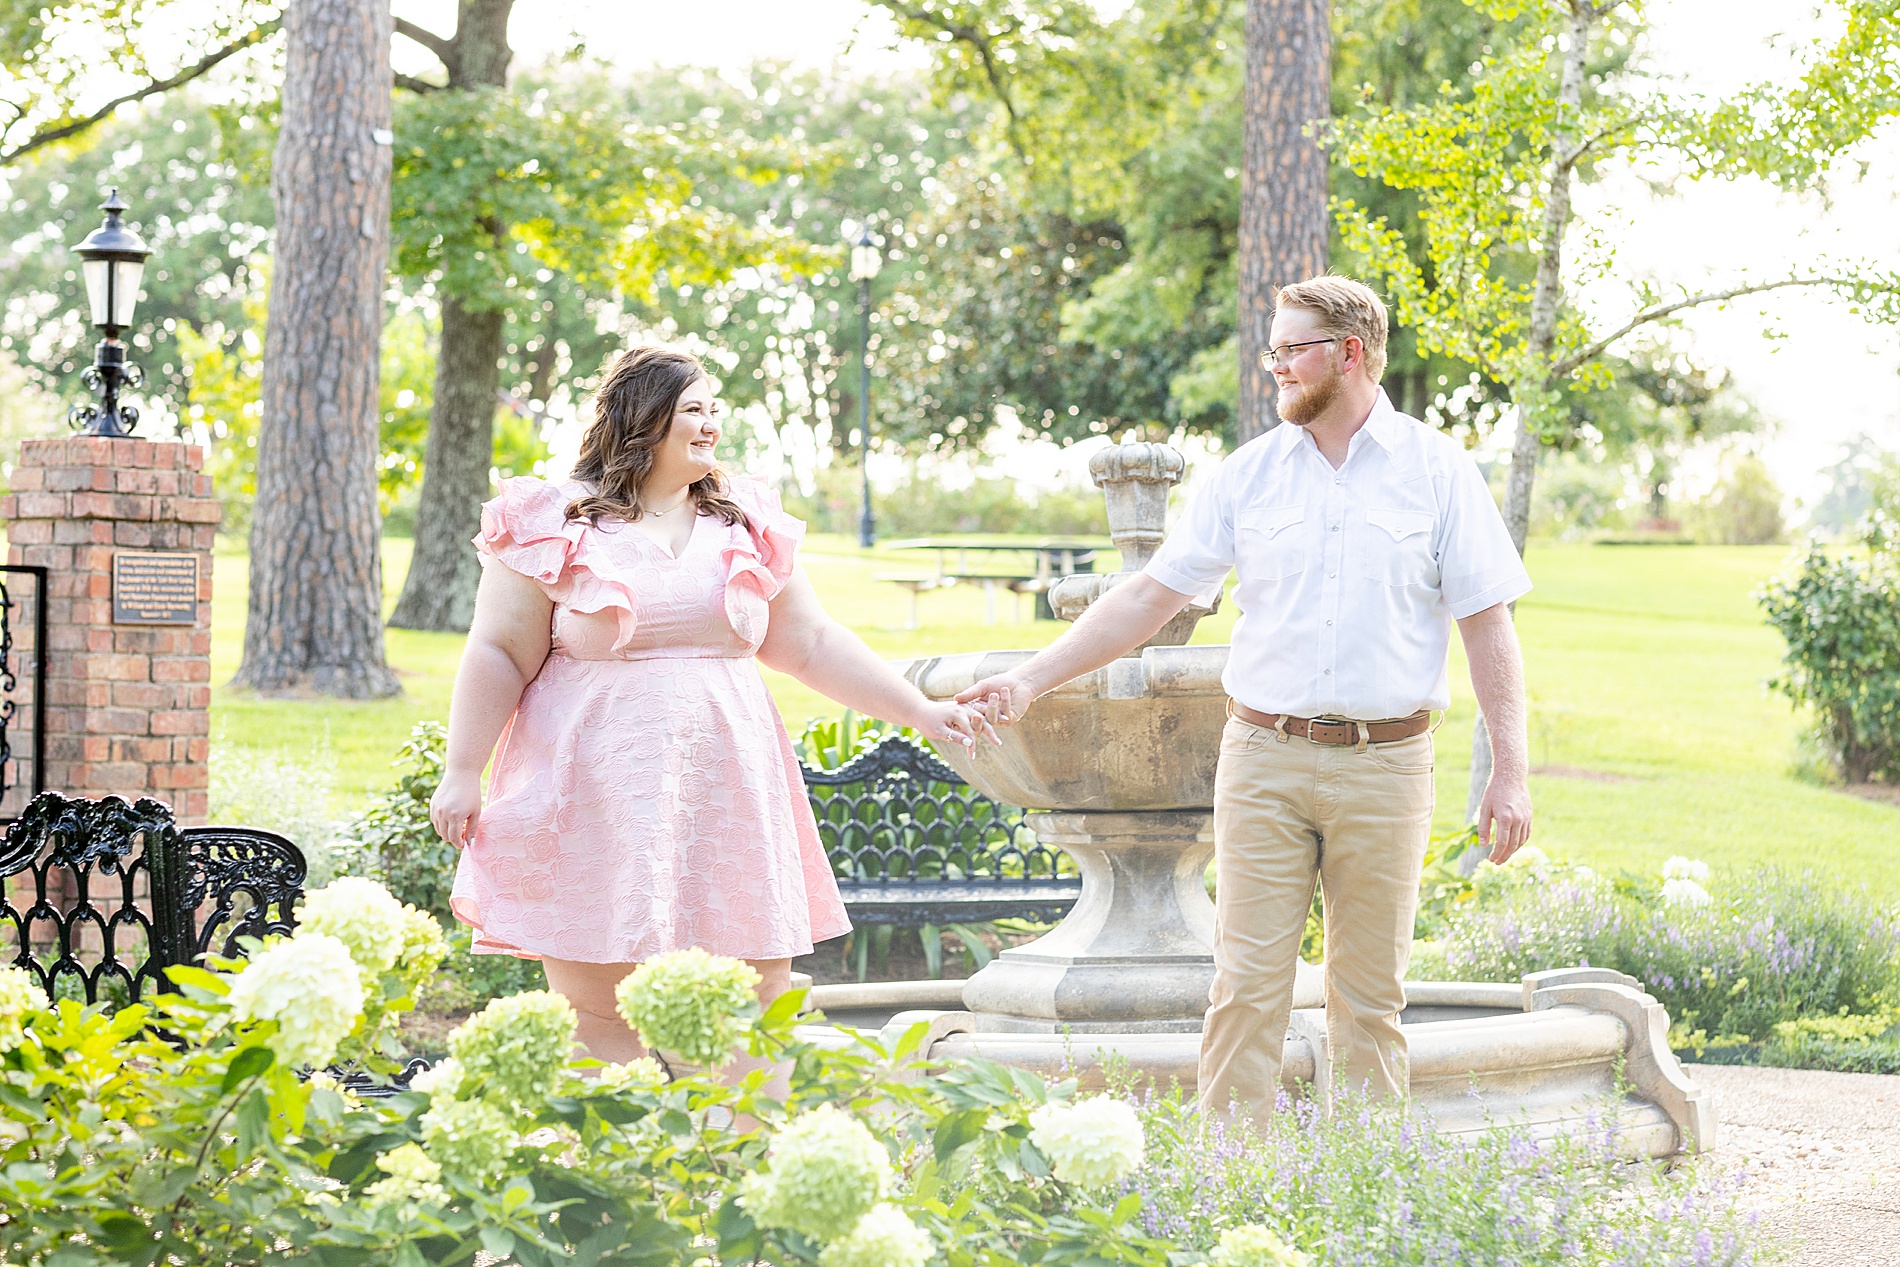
{"x": 1270, "y": 542}
{"x": 1396, "y": 548}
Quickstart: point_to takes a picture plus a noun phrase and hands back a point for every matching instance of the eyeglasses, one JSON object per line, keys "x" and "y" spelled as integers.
{"x": 1282, "y": 354}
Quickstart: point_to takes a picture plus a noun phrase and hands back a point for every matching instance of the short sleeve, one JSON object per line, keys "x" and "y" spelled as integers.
{"x": 526, "y": 529}
{"x": 1478, "y": 566}
{"x": 1196, "y": 557}
{"x": 763, "y": 555}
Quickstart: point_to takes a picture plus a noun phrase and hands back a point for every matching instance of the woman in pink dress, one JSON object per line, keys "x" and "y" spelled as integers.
{"x": 645, "y": 796}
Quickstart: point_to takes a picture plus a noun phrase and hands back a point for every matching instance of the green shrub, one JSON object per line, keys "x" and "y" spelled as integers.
{"x": 1840, "y": 616}
{"x": 1757, "y": 952}
{"x": 393, "y": 840}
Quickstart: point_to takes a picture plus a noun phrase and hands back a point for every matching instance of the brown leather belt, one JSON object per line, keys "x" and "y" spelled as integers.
{"x": 1334, "y": 731}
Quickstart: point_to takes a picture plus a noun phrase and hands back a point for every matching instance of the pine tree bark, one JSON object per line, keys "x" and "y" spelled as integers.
{"x": 1284, "y": 224}
{"x": 316, "y": 584}
{"x": 439, "y": 591}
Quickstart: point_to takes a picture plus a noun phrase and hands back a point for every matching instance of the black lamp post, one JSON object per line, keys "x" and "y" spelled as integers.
{"x": 865, "y": 261}
{"x": 113, "y": 259}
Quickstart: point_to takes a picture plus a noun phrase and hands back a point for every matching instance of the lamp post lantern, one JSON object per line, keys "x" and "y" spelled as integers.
{"x": 865, "y": 261}
{"x": 112, "y": 259}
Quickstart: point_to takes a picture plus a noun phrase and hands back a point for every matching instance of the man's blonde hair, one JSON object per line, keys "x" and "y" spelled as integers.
{"x": 1346, "y": 309}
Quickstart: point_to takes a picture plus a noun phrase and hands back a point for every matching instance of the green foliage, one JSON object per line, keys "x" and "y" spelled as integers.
{"x": 1762, "y": 951}
{"x": 393, "y": 840}
{"x": 1491, "y": 160}
{"x": 1744, "y": 508}
{"x": 1840, "y": 617}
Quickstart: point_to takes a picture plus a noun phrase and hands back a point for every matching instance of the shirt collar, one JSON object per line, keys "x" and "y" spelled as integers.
{"x": 1384, "y": 425}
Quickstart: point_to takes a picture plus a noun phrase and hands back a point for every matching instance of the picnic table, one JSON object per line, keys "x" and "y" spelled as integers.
{"x": 1049, "y": 560}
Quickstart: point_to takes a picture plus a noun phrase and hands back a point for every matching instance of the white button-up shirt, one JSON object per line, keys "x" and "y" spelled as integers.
{"x": 1348, "y": 579}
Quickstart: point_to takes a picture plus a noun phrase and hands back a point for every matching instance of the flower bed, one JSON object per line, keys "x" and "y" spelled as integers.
{"x": 183, "y": 1133}
{"x": 1774, "y": 968}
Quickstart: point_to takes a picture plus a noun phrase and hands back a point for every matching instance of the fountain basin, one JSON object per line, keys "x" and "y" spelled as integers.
{"x": 1142, "y": 733}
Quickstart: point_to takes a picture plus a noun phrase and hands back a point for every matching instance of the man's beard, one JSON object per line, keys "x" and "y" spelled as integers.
{"x": 1311, "y": 401}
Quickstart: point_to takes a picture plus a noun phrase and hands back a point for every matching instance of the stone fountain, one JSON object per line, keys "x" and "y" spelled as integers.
{"x": 1120, "y": 764}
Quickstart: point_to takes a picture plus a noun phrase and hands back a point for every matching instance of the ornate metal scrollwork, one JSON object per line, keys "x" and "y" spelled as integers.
{"x": 911, "y": 842}
{"x": 225, "y": 866}
{"x": 90, "y": 875}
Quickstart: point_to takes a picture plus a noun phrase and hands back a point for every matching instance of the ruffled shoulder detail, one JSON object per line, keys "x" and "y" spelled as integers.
{"x": 526, "y": 529}
{"x": 759, "y": 557}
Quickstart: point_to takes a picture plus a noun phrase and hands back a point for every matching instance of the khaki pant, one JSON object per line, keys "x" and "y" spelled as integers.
{"x": 1288, "y": 810}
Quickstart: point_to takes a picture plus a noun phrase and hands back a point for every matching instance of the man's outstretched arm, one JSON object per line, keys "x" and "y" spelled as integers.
{"x": 1497, "y": 679}
{"x": 1115, "y": 624}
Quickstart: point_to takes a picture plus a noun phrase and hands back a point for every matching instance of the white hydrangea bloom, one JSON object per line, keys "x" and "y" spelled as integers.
{"x": 471, "y": 1136}
{"x": 443, "y": 1079}
{"x": 1254, "y": 1246}
{"x": 884, "y": 1237}
{"x": 1089, "y": 1142}
{"x": 20, "y": 996}
{"x": 362, "y": 915}
{"x": 642, "y": 1071}
{"x": 1681, "y": 868}
{"x": 515, "y": 1048}
{"x": 1530, "y": 857}
{"x": 309, "y": 985}
{"x": 826, "y": 1171}
{"x": 1686, "y": 892}
{"x": 413, "y": 1176}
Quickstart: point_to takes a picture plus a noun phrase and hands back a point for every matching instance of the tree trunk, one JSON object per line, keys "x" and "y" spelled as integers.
{"x": 315, "y": 618}
{"x": 1284, "y": 224}
{"x": 1546, "y": 305}
{"x": 439, "y": 591}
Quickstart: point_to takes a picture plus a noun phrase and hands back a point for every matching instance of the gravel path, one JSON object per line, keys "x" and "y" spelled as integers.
{"x": 1821, "y": 1156}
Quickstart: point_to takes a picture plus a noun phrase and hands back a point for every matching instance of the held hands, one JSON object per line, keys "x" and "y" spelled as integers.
{"x": 946, "y": 722}
{"x": 1507, "y": 808}
{"x": 456, "y": 807}
{"x": 998, "y": 700}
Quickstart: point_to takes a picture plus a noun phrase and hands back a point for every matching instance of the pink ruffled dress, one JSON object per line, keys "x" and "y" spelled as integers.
{"x": 645, "y": 797}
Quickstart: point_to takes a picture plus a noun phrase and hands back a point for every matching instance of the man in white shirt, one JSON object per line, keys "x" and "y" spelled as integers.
{"x": 1358, "y": 536}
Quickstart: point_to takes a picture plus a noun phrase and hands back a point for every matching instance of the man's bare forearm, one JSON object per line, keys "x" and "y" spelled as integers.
{"x": 1115, "y": 624}
{"x": 1497, "y": 679}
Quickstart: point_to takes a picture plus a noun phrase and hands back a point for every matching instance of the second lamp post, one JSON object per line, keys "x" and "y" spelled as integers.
{"x": 865, "y": 262}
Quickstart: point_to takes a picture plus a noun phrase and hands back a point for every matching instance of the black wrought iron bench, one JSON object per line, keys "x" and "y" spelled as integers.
{"x": 99, "y": 897}
{"x": 911, "y": 843}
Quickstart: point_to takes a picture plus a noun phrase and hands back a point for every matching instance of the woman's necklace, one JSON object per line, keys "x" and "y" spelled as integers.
{"x": 685, "y": 497}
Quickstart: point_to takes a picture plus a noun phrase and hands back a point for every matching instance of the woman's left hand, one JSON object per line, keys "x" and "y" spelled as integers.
{"x": 949, "y": 722}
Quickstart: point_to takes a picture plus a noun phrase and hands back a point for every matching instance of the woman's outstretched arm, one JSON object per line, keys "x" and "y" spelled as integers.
{"x": 507, "y": 643}
{"x": 812, "y": 647}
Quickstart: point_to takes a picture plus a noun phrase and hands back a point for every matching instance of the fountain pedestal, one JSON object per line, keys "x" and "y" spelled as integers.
{"x": 1136, "y": 955}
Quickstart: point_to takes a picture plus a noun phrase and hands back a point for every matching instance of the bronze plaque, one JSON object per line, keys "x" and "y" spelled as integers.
{"x": 154, "y": 589}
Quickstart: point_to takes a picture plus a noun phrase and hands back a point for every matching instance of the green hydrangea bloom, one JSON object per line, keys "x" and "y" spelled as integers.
{"x": 309, "y": 985}
{"x": 884, "y": 1237}
{"x": 20, "y": 997}
{"x": 687, "y": 1003}
{"x": 412, "y": 1177}
{"x": 827, "y": 1170}
{"x": 362, "y": 915}
{"x": 643, "y": 1072}
{"x": 1251, "y": 1245}
{"x": 1089, "y": 1142}
{"x": 471, "y": 1137}
{"x": 423, "y": 945}
{"x": 513, "y": 1050}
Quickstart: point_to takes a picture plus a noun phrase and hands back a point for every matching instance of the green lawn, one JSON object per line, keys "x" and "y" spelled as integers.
{"x": 1645, "y": 667}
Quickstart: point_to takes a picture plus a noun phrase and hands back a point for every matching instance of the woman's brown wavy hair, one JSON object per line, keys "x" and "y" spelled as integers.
{"x": 632, "y": 414}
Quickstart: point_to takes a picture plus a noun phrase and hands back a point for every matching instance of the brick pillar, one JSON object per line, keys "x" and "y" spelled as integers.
{"x": 128, "y": 705}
